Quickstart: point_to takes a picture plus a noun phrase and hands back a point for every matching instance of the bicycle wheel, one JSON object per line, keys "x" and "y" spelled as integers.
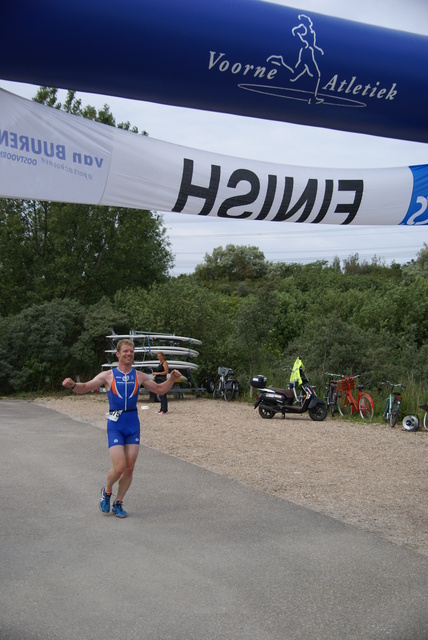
{"x": 426, "y": 421}
{"x": 386, "y": 411}
{"x": 366, "y": 408}
{"x": 344, "y": 406}
{"x": 210, "y": 385}
{"x": 229, "y": 392}
{"x": 332, "y": 401}
{"x": 217, "y": 390}
{"x": 393, "y": 416}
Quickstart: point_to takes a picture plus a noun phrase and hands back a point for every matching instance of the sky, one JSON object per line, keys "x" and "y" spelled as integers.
{"x": 193, "y": 237}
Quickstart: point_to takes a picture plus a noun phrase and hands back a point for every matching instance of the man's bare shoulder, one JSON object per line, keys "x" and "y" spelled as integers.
{"x": 103, "y": 378}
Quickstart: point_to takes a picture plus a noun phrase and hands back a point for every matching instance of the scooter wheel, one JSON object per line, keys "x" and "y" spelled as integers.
{"x": 319, "y": 412}
{"x": 266, "y": 413}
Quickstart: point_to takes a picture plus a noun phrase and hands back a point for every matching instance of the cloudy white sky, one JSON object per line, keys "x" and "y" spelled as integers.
{"x": 192, "y": 237}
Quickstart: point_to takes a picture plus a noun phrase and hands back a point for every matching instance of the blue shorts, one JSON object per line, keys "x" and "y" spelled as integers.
{"x": 126, "y": 430}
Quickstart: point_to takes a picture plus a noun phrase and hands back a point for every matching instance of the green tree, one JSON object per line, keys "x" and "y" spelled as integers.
{"x": 331, "y": 344}
{"x": 54, "y": 250}
{"x": 289, "y": 314}
{"x": 43, "y": 343}
{"x": 232, "y": 264}
{"x": 87, "y": 354}
{"x": 254, "y": 322}
{"x": 35, "y": 345}
{"x": 72, "y": 104}
{"x": 186, "y": 308}
{"x": 417, "y": 268}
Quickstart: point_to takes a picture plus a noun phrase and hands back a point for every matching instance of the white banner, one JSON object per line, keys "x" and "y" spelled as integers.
{"x": 46, "y": 154}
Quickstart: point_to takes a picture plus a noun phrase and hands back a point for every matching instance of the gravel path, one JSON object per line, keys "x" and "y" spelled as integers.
{"x": 368, "y": 475}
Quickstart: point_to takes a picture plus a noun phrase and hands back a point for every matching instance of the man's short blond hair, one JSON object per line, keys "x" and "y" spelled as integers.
{"x": 124, "y": 342}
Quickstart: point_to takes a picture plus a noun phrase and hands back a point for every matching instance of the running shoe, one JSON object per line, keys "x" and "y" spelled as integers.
{"x": 105, "y": 501}
{"x": 118, "y": 509}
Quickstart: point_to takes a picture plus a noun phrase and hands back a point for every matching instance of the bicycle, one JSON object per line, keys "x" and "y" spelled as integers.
{"x": 425, "y": 408}
{"x": 225, "y": 387}
{"x": 332, "y": 392}
{"x": 393, "y": 403}
{"x": 348, "y": 405}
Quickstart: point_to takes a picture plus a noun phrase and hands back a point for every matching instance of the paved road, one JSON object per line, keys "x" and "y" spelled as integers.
{"x": 200, "y": 557}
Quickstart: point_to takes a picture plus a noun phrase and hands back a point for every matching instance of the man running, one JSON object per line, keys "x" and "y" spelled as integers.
{"x": 123, "y": 425}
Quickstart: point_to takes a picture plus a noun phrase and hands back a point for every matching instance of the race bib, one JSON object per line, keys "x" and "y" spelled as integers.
{"x": 113, "y": 415}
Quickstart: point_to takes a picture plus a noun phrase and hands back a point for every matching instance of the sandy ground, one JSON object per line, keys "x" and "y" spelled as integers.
{"x": 368, "y": 475}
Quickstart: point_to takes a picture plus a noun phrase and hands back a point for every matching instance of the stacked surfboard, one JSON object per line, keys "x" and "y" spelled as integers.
{"x": 178, "y": 350}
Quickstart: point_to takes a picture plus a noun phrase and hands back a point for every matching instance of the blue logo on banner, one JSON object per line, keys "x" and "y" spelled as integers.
{"x": 418, "y": 208}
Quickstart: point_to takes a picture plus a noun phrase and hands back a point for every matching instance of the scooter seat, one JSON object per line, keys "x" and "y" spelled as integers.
{"x": 289, "y": 393}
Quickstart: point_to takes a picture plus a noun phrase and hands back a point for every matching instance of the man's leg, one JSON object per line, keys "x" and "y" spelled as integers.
{"x": 123, "y": 459}
{"x": 118, "y": 460}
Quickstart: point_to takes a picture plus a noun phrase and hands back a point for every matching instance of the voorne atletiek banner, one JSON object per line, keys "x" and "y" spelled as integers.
{"x": 244, "y": 57}
{"x": 47, "y": 154}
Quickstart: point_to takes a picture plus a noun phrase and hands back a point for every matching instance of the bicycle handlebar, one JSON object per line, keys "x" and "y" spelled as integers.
{"x": 343, "y": 375}
{"x": 225, "y": 371}
{"x": 393, "y": 384}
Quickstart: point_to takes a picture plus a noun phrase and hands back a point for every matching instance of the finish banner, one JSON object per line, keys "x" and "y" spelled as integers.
{"x": 47, "y": 154}
{"x": 245, "y": 57}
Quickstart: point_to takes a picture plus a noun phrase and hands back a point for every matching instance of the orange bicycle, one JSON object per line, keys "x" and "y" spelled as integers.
{"x": 348, "y": 405}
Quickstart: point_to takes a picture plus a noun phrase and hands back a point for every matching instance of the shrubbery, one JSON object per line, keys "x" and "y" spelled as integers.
{"x": 362, "y": 318}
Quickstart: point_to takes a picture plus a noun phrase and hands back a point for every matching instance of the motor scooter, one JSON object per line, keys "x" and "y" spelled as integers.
{"x": 272, "y": 400}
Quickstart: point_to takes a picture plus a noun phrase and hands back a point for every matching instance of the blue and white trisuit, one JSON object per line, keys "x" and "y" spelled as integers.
{"x": 123, "y": 424}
